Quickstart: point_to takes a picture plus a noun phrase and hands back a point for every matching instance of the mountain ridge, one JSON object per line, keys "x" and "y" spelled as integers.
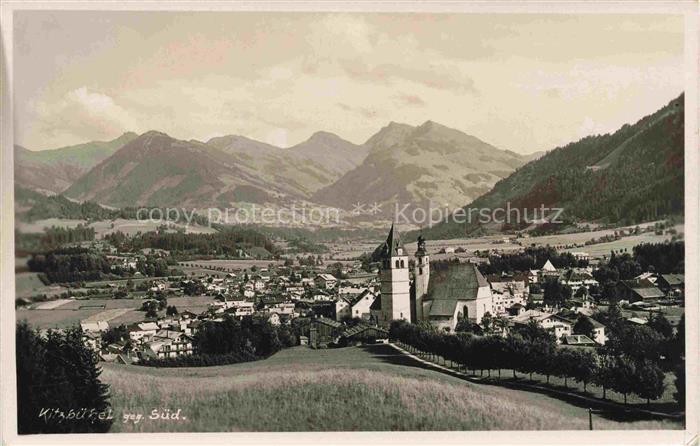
{"x": 633, "y": 174}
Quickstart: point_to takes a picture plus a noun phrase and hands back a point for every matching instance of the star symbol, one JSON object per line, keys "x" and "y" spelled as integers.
{"x": 358, "y": 208}
{"x": 376, "y": 208}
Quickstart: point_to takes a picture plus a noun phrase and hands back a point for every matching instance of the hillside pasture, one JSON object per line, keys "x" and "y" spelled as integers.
{"x": 373, "y": 388}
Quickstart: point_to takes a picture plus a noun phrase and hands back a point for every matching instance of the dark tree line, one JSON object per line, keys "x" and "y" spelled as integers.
{"x": 664, "y": 258}
{"x": 70, "y": 265}
{"x": 58, "y": 206}
{"x": 58, "y": 384}
{"x": 52, "y": 238}
{"x": 225, "y": 242}
{"x": 534, "y": 351}
{"x": 530, "y": 258}
{"x": 75, "y": 264}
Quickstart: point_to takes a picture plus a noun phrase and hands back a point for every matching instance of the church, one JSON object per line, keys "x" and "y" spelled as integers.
{"x": 453, "y": 291}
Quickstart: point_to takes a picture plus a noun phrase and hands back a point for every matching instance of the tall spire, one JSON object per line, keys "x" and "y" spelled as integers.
{"x": 393, "y": 242}
{"x": 421, "y": 246}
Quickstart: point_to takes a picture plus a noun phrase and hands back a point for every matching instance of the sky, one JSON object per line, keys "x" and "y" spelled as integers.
{"x": 520, "y": 82}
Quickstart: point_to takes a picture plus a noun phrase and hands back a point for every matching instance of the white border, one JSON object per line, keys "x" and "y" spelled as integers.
{"x": 692, "y": 166}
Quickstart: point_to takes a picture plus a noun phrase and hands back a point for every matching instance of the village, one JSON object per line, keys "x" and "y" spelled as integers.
{"x": 345, "y": 303}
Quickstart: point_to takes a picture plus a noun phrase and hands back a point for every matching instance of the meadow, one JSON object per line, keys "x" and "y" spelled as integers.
{"x": 354, "y": 388}
{"x": 116, "y": 311}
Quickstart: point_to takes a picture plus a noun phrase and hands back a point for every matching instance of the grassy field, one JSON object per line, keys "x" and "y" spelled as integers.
{"x": 116, "y": 311}
{"x": 299, "y": 389}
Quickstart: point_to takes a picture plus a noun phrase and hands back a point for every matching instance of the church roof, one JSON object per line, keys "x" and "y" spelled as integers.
{"x": 455, "y": 281}
{"x": 443, "y": 307}
{"x": 548, "y": 267}
{"x": 392, "y": 243}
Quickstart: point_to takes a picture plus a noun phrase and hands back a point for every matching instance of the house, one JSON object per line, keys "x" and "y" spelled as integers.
{"x": 533, "y": 276}
{"x": 363, "y": 333}
{"x": 577, "y": 278}
{"x": 323, "y": 331}
{"x": 507, "y": 291}
{"x": 598, "y": 329}
{"x": 548, "y": 270}
{"x": 638, "y": 290}
{"x": 142, "y": 330}
{"x": 169, "y": 344}
{"x": 92, "y": 340}
{"x": 326, "y": 281}
{"x": 193, "y": 327}
{"x": 578, "y": 341}
{"x": 672, "y": 284}
{"x": 598, "y": 332}
{"x": 94, "y": 326}
{"x": 557, "y": 325}
{"x": 516, "y": 310}
{"x": 244, "y": 308}
{"x": 342, "y": 308}
{"x": 360, "y": 304}
{"x": 283, "y": 308}
{"x": 651, "y": 277}
{"x": 580, "y": 255}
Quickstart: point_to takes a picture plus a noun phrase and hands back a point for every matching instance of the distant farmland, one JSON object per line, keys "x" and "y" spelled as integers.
{"x": 115, "y": 311}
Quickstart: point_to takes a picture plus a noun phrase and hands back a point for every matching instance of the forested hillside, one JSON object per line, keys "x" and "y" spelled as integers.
{"x": 632, "y": 175}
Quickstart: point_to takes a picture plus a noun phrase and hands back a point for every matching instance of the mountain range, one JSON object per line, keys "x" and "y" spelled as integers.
{"x": 632, "y": 175}
{"x": 418, "y": 165}
{"x": 400, "y": 162}
{"x": 53, "y": 171}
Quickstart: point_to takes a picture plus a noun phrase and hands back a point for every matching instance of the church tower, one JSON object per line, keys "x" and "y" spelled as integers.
{"x": 395, "y": 287}
{"x": 422, "y": 276}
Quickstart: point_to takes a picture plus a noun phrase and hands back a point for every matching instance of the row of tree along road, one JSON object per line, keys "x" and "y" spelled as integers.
{"x": 633, "y": 361}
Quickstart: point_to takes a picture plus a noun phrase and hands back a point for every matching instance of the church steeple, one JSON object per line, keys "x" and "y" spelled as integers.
{"x": 394, "y": 279}
{"x": 392, "y": 246}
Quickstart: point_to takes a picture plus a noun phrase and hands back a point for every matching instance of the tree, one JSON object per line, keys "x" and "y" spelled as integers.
{"x": 115, "y": 334}
{"x": 679, "y": 383}
{"x": 584, "y": 326}
{"x": 58, "y": 371}
{"x": 171, "y": 310}
{"x": 556, "y": 293}
{"x": 649, "y": 380}
{"x": 636, "y": 342}
{"x": 624, "y": 374}
{"x": 605, "y": 373}
{"x": 487, "y": 322}
{"x": 584, "y": 367}
{"x": 659, "y": 323}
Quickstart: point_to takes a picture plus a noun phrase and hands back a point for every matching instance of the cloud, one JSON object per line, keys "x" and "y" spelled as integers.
{"x": 411, "y": 100}
{"x": 82, "y": 114}
{"x": 386, "y": 73}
